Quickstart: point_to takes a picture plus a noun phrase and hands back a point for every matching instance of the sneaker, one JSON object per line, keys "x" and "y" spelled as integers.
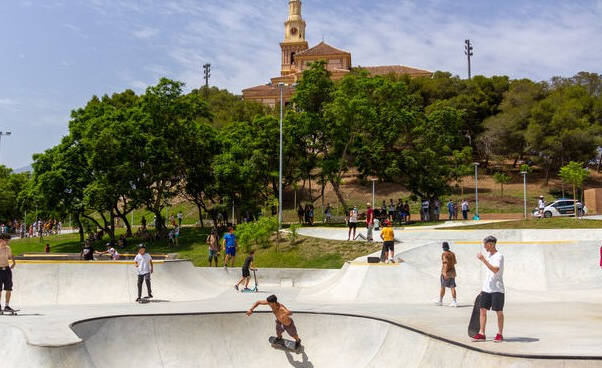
{"x": 498, "y": 338}
{"x": 8, "y": 309}
{"x": 149, "y": 296}
{"x": 478, "y": 337}
{"x": 236, "y": 287}
{"x": 297, "y": 344}
{"x": 438, "y": 302}
{"x": 392, "y": 261}
{"x": 453, "y": 304}
{"x": 138, "y": 300}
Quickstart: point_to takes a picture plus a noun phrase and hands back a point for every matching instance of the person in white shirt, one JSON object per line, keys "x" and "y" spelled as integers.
{"x": 144, "y": 264}
{"x": 111, "y": 252}
{"x": 541, "y": 205}
{"x": 492, "y": 292}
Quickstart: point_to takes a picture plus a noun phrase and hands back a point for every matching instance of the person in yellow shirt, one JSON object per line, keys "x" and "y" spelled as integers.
{"x": 388, "y": 238}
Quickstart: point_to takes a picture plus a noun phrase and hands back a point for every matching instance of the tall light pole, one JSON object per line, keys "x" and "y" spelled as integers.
{"x": 373, "y": 197}
{"x": 524, "y": 173}
{"x": 4, "y": 133}
{"x": 206, "y": 76}
{"x": 468, "y": 52}
{"x": 476, "y": 190}
{"x": 281, "y": 86}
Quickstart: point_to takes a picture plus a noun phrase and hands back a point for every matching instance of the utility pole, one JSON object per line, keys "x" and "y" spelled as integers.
{"x": 4, "y": 133}
{"x": 524, "y": 173}
{"x": 207, "y": 75}
{"x": 281, "y": 86}
{"x": 468, "y": 52}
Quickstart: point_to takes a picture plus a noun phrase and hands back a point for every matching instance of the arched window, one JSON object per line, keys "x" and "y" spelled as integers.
{"x": 292, "y": 58}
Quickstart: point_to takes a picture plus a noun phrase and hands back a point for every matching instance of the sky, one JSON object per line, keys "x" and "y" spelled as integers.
{"x": 56, "y": 54}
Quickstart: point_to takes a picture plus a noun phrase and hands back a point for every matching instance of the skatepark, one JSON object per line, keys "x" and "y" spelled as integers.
{"x": 76, "y": 314}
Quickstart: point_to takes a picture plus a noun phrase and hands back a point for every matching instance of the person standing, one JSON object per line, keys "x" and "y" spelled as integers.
{"x": 87, "y": 252}
{"x": 388, "y": 238}
{"x": 450, "y": 209}
{"x": 229, "y": 245}
{"x": 465, "y": 209}
{"x": 213, "y": 244}
{"x": 352, "y": 223}
{"x": 180, "y": 216}
{"x": 448, "y": 274}
{"x": 247, "y": 266}
{"x": 492, "y": 292}
{"x": 391, "y": 209}
{"x": 541, "y": 205}
{"x": 327, "y": 213}
{"x": 425, "y": 210}
{"x": 300, "y": 213}
{"x": 436, "y": 209}
{"x": 6, "y": 274}
{"x": 399, "y": 211}
{"x": 144, "y": 264}
{"x": 406, "y": 210}
{"x": 369, "y": 222}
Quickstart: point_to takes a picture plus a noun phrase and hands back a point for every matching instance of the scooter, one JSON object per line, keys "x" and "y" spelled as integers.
{"x": 255, "y": 289}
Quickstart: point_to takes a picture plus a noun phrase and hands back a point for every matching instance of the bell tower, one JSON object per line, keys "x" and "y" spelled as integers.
{"x": 294, "y": 37}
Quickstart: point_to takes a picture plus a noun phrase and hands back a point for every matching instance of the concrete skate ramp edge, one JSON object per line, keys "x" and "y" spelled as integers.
{"x": 232, "y": 339}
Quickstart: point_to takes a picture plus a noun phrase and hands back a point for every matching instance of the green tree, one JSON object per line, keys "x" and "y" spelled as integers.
{"x": 501, "y": 178}
{"x": 574, "y": 174}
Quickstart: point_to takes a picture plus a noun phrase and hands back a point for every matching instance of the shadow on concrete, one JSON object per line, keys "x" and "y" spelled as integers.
{"x": 304, "y": 363}
{"x": 520, "y": 339}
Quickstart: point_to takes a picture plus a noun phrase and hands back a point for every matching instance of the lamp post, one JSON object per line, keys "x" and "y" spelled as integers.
{"x": 524, "y": 173}
{"x": 476, "y": 190}
{"x": 4, "y": 133}
{"x": 281, "y": 86}
{"x": 468, "y": 52}
{"x": 373, "y": 197}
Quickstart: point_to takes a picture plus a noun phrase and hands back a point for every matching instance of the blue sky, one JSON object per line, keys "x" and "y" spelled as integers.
{"x": 56, "y": 54}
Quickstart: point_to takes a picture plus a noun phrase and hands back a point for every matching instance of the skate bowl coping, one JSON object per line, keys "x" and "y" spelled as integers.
{"x": 233, "y": 339}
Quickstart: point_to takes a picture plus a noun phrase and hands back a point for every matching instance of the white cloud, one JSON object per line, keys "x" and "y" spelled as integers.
{"x": 7, "y": 102}
{"x": 145, "y": 32}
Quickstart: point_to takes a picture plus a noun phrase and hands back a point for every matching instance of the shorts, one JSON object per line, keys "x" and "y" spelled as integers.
{"x": 389, "y": 246}
{"x": 492, "y": 301}
{"x": 245, "y": 272}
{"x": 6, "y": 279}
{"x": 212, "y": 253}
{"x": 449, "y": 283}
{"x": 352, "y": 225}
{"x": 231, "y": 251}
{"x": 392, "y": 213}
{"x": 290, "y": 329}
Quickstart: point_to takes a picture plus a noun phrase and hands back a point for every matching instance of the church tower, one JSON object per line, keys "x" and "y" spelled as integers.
{"x": 294, "y": 37}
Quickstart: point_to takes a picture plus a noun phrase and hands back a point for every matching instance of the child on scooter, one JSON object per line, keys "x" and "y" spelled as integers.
{"x": 247, "y": 266}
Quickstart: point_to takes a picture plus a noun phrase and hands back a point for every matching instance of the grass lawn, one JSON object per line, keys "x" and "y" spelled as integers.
{"x": 304, "y": 252}
{"x": 550, "y": 223}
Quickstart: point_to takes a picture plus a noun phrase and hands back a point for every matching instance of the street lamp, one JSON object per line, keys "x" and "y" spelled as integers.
{"x": 4, "y": 133}
{"x": 281, "y": 86}
{"x": 476, "y": 190}
{"x": 373, "y": 198}
{"x": 524, "y": 173}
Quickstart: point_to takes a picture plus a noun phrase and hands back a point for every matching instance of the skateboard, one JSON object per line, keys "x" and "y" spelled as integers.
{"x": 9, "y": 313}
{"x": 284, "y": 343}
{"x": 144, "y": 300}
{"x": 255, "y": 289}
{"x": 474, "y": 324}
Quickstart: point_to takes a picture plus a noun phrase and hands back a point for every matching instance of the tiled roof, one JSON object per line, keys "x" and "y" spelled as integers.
{"x": 322, "y": 49}
{"x": 267, "y": 90}
{"x": 395, "y": 69}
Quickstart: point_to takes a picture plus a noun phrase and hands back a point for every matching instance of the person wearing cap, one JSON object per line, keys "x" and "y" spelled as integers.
{"x": 448, "y": 274}
{"x": 369, "y": 222}
{"x": 492, "y": 291}
{"x": 144, "y": 264}
{"x": 388, "y": 238}
{"x": 111, "y": 252}
{"x": 541, "y": 205}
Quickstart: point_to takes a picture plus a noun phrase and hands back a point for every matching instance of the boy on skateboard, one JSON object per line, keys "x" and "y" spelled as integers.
{"x": 283, "y": 320}
{"x": 6, "y": 276}
{"x": 448, "y": 274}
{"x": 144, "y": 264}
{"x": 246, "y": 267}
{"x": 492, "y": 292}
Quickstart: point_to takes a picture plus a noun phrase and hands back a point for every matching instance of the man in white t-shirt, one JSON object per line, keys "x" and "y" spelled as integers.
{"x": 352, "y": 223}
{"x": 492, "y": 292}
{"x": 541, "y": 205}
{"x": 144, "y": 264}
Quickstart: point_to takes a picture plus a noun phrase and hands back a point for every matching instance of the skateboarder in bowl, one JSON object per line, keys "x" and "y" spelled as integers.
{"x": 6, "y": 276}
{"x": 283, "y": 320}
{"x": 144, "y": 264}
{"x": 246, "y": 267}
{"x": 492, "y": 292}
{"x": 448, "y": 274}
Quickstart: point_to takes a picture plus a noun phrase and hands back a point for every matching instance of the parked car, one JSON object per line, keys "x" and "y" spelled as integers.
{"x": 561, "y": 207}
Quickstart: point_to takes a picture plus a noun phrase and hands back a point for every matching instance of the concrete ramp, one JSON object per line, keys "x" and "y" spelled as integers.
{"x": 235, "y": 340}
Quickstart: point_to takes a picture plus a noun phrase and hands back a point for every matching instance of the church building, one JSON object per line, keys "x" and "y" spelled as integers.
{"x": 297, "y": 56}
